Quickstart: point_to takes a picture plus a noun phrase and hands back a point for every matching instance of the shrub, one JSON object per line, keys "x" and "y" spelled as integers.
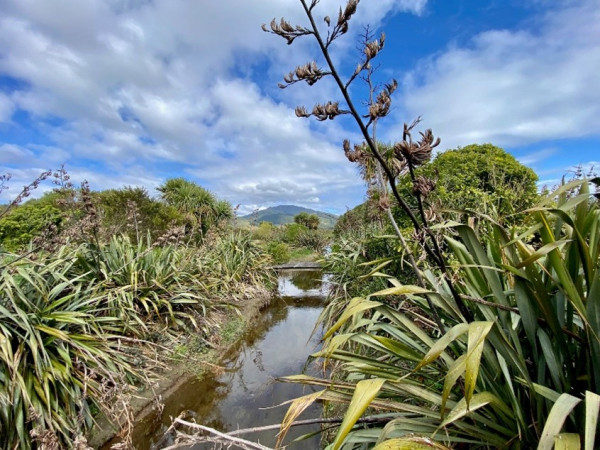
{"x": 512, "y": 376}
{"x": 265, "y": 231}
{"x": 279, "y": 251}
{"x": 291, "y": 232}
{"x": 313, "y": 239}
{"x": 25, "y": 222}
{"x": 57, "y": 356}
{"x": 143, "y": 284}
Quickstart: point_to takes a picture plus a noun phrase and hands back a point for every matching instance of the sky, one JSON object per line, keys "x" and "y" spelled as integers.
{"x": 133, "y": 92}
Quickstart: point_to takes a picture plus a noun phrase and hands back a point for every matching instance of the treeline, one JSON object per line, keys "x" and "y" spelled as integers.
{"x": 130, "y": 211}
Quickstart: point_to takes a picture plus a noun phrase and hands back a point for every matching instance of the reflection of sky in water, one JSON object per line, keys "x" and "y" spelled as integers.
{"x": 282, "y": 352}
{"x": 302, "y": 283}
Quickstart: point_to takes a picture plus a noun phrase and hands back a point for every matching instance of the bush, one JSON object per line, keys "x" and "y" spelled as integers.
{"x": 527, "y": 361}
{"x": 312, "y": 239}
{"x": 58, "y": 354}
{"x": 143, "y": 284}
{"x": 25, "y": 222}
{"x": 482, "y": 178}
{"x": 265, "y": 231}
{"x": 279, "y": 251}
{"x": 291, "y": 232}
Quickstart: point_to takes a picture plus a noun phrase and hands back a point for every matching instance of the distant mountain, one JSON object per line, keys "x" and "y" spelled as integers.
{"x": 282, "y": 214}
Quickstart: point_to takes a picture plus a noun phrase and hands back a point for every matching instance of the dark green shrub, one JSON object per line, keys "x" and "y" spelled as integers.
{"x": 291, "y": 232}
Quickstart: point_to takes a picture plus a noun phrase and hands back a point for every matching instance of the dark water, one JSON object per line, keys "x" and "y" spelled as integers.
{"x": 244, "y": 394}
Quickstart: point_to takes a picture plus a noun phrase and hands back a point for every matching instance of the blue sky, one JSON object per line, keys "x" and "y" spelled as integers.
{"x": 131, "y": 92}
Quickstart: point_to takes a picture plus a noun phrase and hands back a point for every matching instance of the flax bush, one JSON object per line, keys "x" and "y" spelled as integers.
{"x": 523, "y": 373}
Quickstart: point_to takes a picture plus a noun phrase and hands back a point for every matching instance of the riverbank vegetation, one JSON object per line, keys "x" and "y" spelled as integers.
{"x": 293, "y": 242}
{"x": 466, "y": 314}
{"x": 98, "y": 288}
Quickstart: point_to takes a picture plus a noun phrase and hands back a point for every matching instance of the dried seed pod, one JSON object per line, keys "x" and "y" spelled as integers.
{"x": 301, "y": 111}
{"x": 327, "y": 111}
{"x": 384, "y": 203}
{"x": 423, "y": 186}
{"x": 350, "y": 9}
{"x": 286, "y": 30}
{"x": 416, "y": 153}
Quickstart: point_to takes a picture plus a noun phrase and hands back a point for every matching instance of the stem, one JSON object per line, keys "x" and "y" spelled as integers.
{"x": 235, "y": 440}
{"x": 416, "y": 270}
{"x": 436, "y": 257}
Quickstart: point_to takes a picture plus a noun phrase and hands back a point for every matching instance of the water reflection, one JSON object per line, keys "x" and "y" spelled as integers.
{"x": 244, "y": 394}
{"x": 302, "y": 283}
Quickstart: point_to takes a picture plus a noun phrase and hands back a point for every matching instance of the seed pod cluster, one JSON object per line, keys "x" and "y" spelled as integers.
{"x": 416, "y": 153}
{"x": 286, "y": 30}
{"x": 308, "y": 72}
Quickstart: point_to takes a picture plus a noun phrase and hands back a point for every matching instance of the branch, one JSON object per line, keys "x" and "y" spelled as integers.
{"x": 226, "y": 437}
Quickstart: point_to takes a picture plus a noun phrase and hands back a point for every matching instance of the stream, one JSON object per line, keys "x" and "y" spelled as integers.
{"x": 246, "y": 394}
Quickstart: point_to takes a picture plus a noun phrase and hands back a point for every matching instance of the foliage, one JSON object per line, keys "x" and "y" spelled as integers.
{"x": 143, "y": 284}
{"x": 233, "y": 258}
{"x": 362, "y": 220}
{"x": 265, "y": 231}
{"x": 484, "y": 178}
{"x": 313, "y": 239}
{"x": 310, "y": 221}
{"x": 497, "y": 344}
{"x": 57, "y": 356}
{"x": 72, "y": 313}
{"x": 23, "y": 223}
{"x": 279, "y": 252}
{"x": 513, "y": 375}
{"x": 291, "y": 232}
{"x": 130, "y": 210}
{"x": 200, "y": 208}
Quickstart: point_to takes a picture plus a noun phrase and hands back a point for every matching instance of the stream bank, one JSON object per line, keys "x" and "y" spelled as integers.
{"x": 189, "y": 365}
{"x": 275, "y": 342}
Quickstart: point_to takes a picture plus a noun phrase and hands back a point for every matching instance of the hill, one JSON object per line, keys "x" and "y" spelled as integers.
{"x": 282, "y": 214}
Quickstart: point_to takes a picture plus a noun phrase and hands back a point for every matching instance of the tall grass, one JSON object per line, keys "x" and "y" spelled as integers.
{"x": 57, "y": 358}
{"x": 524, "y": 373}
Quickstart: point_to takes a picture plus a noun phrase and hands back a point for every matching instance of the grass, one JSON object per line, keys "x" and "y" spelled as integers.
{"x": 304, "y": 254}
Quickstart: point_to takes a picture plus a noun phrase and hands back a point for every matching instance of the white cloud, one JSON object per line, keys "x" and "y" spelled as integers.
{"x": 6, "y": 108}
{"x": 515, "y": 87}
{"x": 137, "y": 85}
{"x": 537, "y": 156}
{"x": 13, "y": 154}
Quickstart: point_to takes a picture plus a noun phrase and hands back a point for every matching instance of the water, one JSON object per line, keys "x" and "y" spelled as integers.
{"x": 245, "y": 394}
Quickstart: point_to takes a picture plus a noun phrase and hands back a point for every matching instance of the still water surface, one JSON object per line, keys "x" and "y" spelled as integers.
{"x": 245, "y": 394}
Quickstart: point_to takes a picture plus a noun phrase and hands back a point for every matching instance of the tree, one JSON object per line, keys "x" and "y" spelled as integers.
{"x": 310, "y": 221}
{"x": 199, "y": 206}
{"x": 130, "y": 210}
{"x": 482, "y": 178}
